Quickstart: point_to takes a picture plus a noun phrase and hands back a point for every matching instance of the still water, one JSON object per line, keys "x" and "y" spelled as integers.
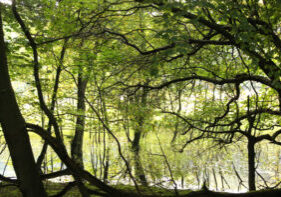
{"x": 222, "y": 169}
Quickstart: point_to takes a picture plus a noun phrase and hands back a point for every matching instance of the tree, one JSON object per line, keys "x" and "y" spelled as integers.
{"x": 13, "y": 125}
{"x": 208, "y": 47}
{"x": 250, "y": 35}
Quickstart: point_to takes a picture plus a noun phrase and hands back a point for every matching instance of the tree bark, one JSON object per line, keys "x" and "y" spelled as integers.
{"x": 53, "y": 102}
{"x": 77, "y": 142}
{"x": 139, "y": 129}
{"x": 139, "y": 171}
{"x": 251, "y": 165}
{"x": 75, "y": 169}
{"x": 14, "y": 129}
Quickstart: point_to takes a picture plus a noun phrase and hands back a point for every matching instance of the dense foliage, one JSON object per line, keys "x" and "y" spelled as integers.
{"x": 117, "y": 88}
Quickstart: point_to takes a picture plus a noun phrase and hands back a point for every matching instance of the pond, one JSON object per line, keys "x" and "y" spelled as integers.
{"x": 220, "y": 168}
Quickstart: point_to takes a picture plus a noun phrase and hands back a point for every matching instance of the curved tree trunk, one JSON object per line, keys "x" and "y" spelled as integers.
{"x": 75, "y": 169}
{"x": 53, "y": 102}
{"x": 13, "y": 125}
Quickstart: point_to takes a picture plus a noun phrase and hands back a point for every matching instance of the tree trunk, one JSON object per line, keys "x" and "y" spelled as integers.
{"x": 53, "y": 103}
{"x": 139, "y": 129}
{"x": 77, "y": 142}
{"x": 13, "y": 125}
{"x": 251, "y": 165}
{"x": 139, "y": 171}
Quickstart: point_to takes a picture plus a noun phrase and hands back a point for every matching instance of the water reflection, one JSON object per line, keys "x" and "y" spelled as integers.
{"x": 223, "y": 169}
